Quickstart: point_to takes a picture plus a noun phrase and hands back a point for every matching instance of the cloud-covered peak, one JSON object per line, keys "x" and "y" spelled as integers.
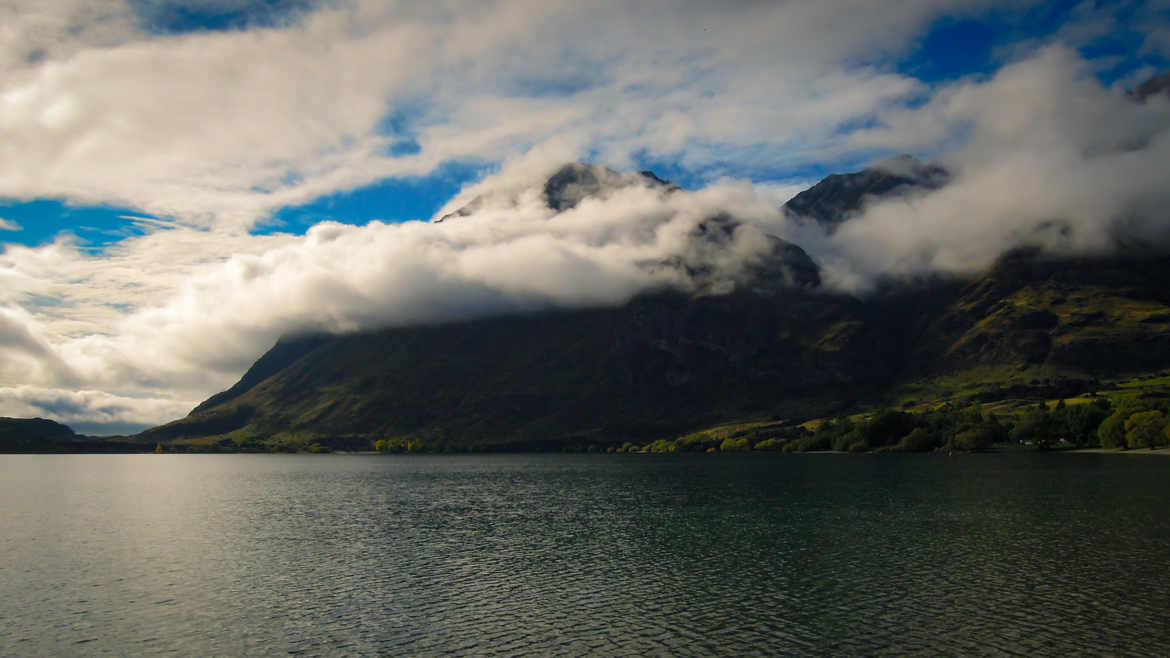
{"x": 561, "y": 189}
{"x": 1157, "y": 85}
{"x": 841, "y": 197}
{"x": 576, "y": 181}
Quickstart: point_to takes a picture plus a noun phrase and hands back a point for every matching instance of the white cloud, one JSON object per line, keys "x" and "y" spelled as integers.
{"x": 88, "y": 411}
{"x": 218, "y": 129}
{"x": 191, "y": 324}
{"x": 1052, "y": 159}
{"x": 9, "y": 225}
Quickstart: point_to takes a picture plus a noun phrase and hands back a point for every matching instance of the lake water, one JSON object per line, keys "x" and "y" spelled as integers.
{"x": 584, "y": 554}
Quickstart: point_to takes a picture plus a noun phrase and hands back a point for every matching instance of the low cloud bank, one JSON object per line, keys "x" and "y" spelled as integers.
{"x": 513, "y": 253}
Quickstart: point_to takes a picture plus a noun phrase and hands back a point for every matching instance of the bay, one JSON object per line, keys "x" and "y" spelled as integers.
{"x": 757, "y": 554}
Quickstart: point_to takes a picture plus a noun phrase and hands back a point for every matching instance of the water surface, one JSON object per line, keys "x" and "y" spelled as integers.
{"x": 576, "y": 554}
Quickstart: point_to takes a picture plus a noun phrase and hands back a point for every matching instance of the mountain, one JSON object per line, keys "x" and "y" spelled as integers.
{"x": 659, "y": 364}
{"x": 702, "y": 260}
{"x": 839, "y": 197}
{"x": 1154, "y": 86}
{"x": 667, "y": 363}
{"x": 763, "y": 342}
{"x": 568, "y": 186}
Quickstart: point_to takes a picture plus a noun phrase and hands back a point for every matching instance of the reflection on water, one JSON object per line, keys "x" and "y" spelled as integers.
{"x": 801, "y": 554}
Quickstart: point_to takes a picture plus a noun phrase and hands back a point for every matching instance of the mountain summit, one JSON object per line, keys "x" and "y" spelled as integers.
{"x": 569, "y": 185}
{"x": 1159, "y": 84}
{"x": 719, "y": 254}
{"x": 839, "y": 197}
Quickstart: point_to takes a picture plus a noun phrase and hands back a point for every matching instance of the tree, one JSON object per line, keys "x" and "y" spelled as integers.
{"x": 1079, "y": 422}
{"x": 1111, "y": 433}
{"x": 1037, "y": 426}
{"x": 978, "y": 438}
{"x": 1145, "y": 429}
{"x": 919, "y": 440}
{"x": 888, "y": 427}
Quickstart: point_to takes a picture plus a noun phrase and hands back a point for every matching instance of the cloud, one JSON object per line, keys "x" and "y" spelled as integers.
{"x": 186, "y": 327}
{"x": 179, "y": 126}
{"x": 9, "y": 225}
{"x": 211, "y": 131}
{"x": 88, "y": 411}
{"x": 1051, "y": 158}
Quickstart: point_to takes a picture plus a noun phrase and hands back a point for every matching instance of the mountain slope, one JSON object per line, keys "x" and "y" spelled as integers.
{"x": 1097, "y": 316}
{"x": 658, "y": 365}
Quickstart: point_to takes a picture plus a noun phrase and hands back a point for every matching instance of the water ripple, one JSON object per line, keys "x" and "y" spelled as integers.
{"x": 582, "y": 555}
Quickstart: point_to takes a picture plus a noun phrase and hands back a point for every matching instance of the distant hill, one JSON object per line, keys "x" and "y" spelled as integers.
{"x": 34, "y": 434}
{"x": 42, "y": 435}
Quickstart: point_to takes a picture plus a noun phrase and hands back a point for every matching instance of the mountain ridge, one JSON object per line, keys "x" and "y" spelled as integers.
{"x": 775, "y": 344}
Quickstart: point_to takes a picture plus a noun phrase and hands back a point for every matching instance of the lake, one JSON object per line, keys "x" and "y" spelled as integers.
{"x": 584, "y": 554}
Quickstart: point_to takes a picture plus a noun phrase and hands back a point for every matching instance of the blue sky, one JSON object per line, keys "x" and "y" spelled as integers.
{"x": 183, "y": 182}
{"x": 948, "y": 48}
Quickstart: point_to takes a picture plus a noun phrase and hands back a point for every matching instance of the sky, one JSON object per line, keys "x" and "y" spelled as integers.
{"x": 181, "y": 183}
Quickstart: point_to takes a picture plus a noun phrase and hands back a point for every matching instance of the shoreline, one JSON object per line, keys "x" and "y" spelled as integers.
{"x": 1107, "y": 451}
{"x": 1002, "y": 450}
